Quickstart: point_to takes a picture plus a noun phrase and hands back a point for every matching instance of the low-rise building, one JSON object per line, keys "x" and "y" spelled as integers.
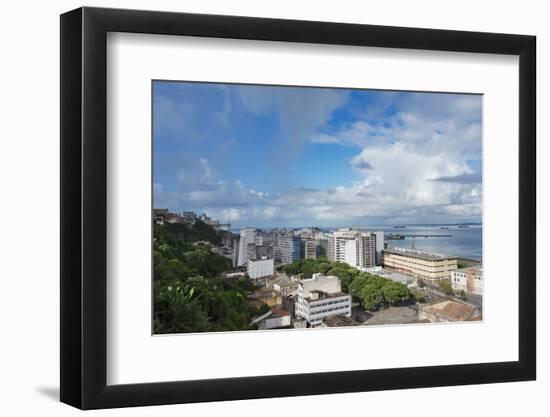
{"x": 278, "y": 319}
{"x": 265, "y": 296}
{"x": 469, "y": 280}
{"x": 286, "y": 287}
{"x": 260, "y": 268}
{"x": 320, "y": 297}
{"x": 431, "y": 267}
{"x": 339, "y": 321}
{"x": 159, "y": 215}
{"x": 447, "y": 311}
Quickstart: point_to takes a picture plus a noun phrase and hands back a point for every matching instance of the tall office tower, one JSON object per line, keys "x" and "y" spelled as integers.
{"x": 286, "y": 248}
{"x": 248, "y": 237}
{"x": 338, "y": 245}
{"x": 366, "y": 249}
{"x": 379, "y": 246}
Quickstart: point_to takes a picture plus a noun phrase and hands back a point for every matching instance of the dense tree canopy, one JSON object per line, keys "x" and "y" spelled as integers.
{"x": 371, "y": 290}
{"x": 189, "y": 295}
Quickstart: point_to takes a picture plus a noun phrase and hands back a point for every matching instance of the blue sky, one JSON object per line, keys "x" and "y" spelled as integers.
{"x": 269, "y": 156}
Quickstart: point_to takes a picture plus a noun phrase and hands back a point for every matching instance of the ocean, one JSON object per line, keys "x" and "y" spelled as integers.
{"x": 464, "y": 242}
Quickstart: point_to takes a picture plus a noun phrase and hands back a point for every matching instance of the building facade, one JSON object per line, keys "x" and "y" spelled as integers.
{"x": 354, "y": 247}
{"x": 322, "y": 243}
{"x": 380, "y": 246}
{"x": 338, "y": 247}
{"x": 469, "y": 280}
{"x": 286, "y": 248}
{"x": 366, "y": 250}
{"x": 320, "y": 297}
{"x": 431, "y": 267}
{"x": 309, "y": 248}
{"x": 261, "y": 268}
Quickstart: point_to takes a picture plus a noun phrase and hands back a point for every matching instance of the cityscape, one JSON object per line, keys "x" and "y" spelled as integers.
{"x": 302, "y": 208}
{"x": 308, "y": 278}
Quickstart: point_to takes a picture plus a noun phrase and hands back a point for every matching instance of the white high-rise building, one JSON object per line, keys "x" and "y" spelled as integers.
{"x": 337, "y": 241}
{"x": 248, "y": 237}
{"x": 354, "y": 247}
{"x": 351, "y": 252}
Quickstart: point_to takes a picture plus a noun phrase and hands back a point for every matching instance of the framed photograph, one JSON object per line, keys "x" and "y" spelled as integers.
{"x": 261, "y": 208}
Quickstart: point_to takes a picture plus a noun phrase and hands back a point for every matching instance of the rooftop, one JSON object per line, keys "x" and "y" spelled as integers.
{"x": 322, "y": 295}
{"x": 278, "y": 312}
{"x": 453, "y": 311}
{"x": 284, "y": 283}
{"x": 263, "y": 293}
{"x": 471, "y": 269}
{"x": 339, "y": 321}
{"x": 413, "y": 253}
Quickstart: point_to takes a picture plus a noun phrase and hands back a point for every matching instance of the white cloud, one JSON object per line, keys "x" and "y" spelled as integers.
{"x": 413, "y": 164}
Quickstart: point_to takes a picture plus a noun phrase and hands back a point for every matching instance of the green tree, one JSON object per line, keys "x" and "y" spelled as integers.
{"x": 372, "y": 297}
{"x": 356, "y": 286}
{"x": 189, "y": 295}
{"x": 419, "y": 296}
{"x": 446, "y": 287}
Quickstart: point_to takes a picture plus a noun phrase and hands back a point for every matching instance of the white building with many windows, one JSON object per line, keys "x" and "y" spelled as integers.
{"x": 320, "y": 297}
{"x": 469, "y": 280}
{"x": 342, "y": 246}
{"x": 357, "y": 248}
{"x": 260, "y": 268}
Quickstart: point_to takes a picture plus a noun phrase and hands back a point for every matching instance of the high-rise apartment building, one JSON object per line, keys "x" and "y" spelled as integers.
{"x": 354, "y": 247}
{"x": 366, "y": 250}
{"x": 322, "y": 244}
{"x": 380, "y": 246}
{"x": 338, "y": 246}
{"x": 309, "y": 248}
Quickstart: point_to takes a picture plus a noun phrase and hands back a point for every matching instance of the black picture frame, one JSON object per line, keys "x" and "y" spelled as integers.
{"x": 84, "y": 207}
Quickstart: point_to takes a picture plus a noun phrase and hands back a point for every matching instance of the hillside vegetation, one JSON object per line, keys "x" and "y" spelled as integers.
{"x": 189, "y": 295}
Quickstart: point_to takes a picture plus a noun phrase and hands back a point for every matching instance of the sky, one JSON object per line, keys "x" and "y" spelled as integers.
{"x": 271, "y": 156}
